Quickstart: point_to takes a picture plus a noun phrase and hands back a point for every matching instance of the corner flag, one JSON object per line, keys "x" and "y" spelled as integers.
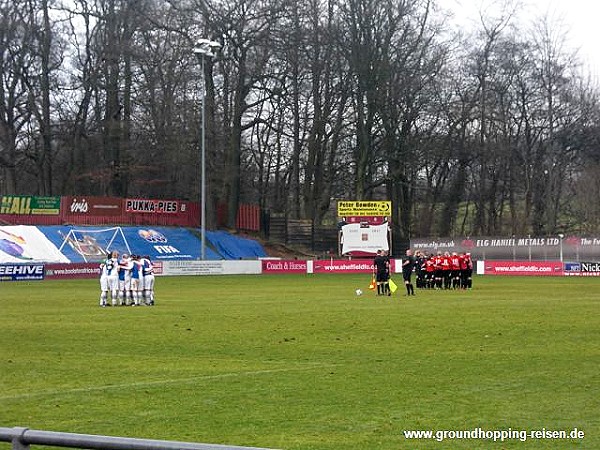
{"x": 373, "y": 285}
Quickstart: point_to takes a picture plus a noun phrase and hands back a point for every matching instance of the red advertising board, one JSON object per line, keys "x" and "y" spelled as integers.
{"x": 82, "y": 210}
{"x": 283, "y": 266}
{"x": 91, "y": 206}
{"x": 371, "y": 220}
{"x": 549, "y": 268}
{"x": 343, "y": 266}
{"x": 157, "y": 267}
{"x": 98, "y": 210}
{"x": 140, "y": 205}
{"x": 72, "y": 271}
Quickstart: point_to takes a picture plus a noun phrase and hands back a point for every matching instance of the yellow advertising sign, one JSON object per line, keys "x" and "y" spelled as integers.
{"x": 28, "y": 204}
{"x": 364, "y": 208}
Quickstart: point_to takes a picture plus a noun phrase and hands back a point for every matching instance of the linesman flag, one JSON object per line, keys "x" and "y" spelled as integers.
{"x": 393, "y": 286}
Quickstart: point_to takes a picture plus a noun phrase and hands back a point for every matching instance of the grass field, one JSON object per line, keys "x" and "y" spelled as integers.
{"x": 300, "y": 362}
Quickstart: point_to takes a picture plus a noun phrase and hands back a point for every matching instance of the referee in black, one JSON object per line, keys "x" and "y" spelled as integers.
{"x": 382, "y": 267}
{"x": 408, "y": 265}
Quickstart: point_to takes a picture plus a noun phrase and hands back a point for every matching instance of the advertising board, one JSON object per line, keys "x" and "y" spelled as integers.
{"x": 138, "y": 205}
{"x": 364, "y": 208}
{"x": 537, "y": 268}
{"x": 72, "y": 271}
{"x": 342, "y": 266}
{"x": 29, "y": 205}
{"x": 75, "y": 207}
{"x": 582, "y": 269}
{"x": 272, "y": 266}
{"x": 21, "y": 272}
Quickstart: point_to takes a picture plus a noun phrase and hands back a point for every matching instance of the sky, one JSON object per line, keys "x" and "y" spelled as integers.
{"x": 580, "y": 20}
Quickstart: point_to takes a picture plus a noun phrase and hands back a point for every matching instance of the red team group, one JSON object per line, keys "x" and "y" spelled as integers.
{"x": 444, "y": 270}
{"x": 128, "y": 280}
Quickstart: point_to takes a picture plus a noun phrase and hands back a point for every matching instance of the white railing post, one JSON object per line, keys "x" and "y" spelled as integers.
{"x": 17, "y": 439}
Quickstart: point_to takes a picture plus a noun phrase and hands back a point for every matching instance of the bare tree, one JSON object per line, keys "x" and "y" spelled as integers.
{"x": 15, "y": 116}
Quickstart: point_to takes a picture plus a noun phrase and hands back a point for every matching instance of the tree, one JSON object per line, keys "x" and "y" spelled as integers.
{"x": 15, "y": 116}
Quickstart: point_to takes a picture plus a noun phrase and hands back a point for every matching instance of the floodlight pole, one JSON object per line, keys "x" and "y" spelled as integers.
{"x": 561, "y": 237}
{"x": 204, "y": 48}
{"x": 203, "y": 167}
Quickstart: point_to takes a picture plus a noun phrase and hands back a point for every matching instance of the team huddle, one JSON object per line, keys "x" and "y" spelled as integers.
{"x": 440, "y": 271}
{"x": 128, "y": 280}
{"x": 444, "y": 271}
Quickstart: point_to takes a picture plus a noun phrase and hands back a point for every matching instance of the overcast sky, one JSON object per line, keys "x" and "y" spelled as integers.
{"x": 580, "y": 19}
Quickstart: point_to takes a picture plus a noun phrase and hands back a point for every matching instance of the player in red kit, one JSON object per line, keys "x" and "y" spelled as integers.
{"x": 430, "y": 272}
{"x": 446, "y": 270}
{"x": 439, "y": 271}
{"x": 455, "y": 268}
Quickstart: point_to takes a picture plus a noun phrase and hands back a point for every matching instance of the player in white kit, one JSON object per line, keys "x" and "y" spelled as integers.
{"x": 137, "y": 280}
{"x": 103, "y": 283}
{"x": 125, "y": 266}
{"x": 109, "y": 279}
{"x": 148, "y": 272}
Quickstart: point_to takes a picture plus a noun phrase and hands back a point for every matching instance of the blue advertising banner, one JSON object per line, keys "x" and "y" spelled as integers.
{"x": 20, "y": 272}
{"x": 163, "y": 243}
{"x": 89, "y": 244}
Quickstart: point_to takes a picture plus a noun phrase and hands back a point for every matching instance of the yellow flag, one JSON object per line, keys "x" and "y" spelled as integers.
{"x": 393, "y": 286}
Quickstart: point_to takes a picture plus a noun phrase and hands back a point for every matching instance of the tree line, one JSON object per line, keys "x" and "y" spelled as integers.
{"x": 486, "y": 131}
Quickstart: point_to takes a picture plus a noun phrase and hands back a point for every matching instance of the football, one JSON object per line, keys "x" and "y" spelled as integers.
{"x": 359, "y": 292}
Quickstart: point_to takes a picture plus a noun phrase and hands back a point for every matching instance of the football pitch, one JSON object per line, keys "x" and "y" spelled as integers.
{"x": 301, "y": 362}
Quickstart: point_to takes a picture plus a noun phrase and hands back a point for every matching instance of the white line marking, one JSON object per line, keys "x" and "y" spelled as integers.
{"x": 156, "y": 382}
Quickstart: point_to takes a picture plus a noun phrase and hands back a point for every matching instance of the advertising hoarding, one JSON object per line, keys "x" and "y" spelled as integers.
{"x": 364, "y": 208}
{"x": 283, "y": 266}
{"x": 582, "y": 269}
{"x": 21, "y": 272}
{"x": 77, "y": 207}
{"x": 536, "y": 268}
{"x": 29, "y": 205}
{"x": 72, "y": 271}
{"x": 138, "y": 205}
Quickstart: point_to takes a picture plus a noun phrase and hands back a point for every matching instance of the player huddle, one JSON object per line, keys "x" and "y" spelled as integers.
{"x": 444, "y": 270}
{"x": 128, "y": 280}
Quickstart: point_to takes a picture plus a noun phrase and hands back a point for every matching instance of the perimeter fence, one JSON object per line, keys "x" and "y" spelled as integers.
{"x": 22, "y": 438}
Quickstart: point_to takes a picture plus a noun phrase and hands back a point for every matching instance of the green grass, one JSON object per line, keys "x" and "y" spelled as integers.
{"x": 300, "y": 362}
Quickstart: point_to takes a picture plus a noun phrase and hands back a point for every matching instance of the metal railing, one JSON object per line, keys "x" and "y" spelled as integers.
{"x": 22, "y": 438}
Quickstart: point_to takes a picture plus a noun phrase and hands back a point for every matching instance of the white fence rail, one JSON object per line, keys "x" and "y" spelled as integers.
{"x": 22, "y": 438}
